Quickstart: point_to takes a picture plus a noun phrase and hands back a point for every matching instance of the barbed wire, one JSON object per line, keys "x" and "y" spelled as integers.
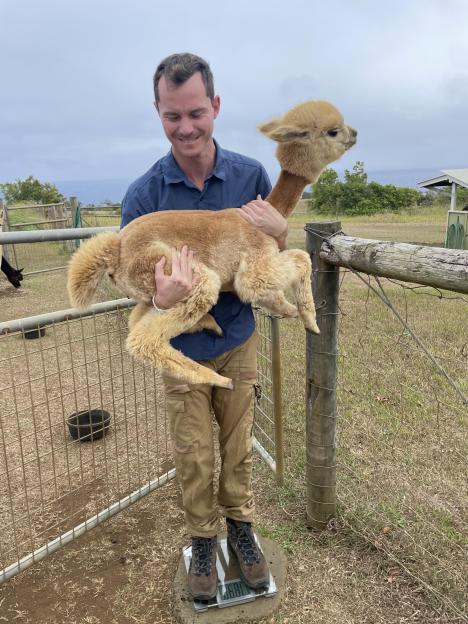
{"x": 382, "y": 294}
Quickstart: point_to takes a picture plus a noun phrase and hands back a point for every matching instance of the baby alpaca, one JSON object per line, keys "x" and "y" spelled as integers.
{"x": 229, "y": 252}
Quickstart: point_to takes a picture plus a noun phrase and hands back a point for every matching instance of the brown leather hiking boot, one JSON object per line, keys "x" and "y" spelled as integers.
{"x": 202, "y": 577}
{"x": 241, "y": 541}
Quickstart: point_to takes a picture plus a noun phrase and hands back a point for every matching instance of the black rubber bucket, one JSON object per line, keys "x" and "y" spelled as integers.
{"x": 32, "y": 334}
{"x": 89, "y": 425}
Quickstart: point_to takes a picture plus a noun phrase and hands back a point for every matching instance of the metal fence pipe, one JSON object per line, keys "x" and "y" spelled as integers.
{"x": 42, "y": 236}
{"x": 42, "y": 320}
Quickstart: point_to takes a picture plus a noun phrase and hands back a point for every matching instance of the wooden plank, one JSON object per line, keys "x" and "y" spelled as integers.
{"x": 419, "y": 264}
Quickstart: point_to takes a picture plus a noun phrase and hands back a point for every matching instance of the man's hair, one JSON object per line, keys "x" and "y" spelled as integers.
{"x": 178, "y": 68}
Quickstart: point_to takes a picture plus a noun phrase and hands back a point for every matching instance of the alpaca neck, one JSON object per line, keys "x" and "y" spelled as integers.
{"x": 287, "y": 192}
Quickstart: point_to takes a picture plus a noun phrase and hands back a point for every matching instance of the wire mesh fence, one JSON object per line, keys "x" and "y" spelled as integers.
{"x": 49, "y": 256}
{"x": 54, "y": 487}
{"x": 50, "y": 482}
{"x": 95, "y": 216}
{"x": 40, "y": 257}
{"x": 402, "y": 445}
{"x": 268, "y": 425}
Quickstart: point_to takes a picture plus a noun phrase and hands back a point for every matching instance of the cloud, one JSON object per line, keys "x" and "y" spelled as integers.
{"x": 77, "y": 78}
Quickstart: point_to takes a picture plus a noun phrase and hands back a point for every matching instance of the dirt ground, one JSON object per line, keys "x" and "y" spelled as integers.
{"x": 122, "y": 572}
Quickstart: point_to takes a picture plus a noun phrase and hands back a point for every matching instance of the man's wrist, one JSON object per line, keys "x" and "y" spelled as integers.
{"x": 283, "y": 234}
{"x": 158, "y": 307}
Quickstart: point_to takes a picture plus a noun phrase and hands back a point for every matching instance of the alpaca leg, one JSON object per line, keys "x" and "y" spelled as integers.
{"x": 149, "y": 339}
{"x": 206, "y": 322}
{"x": 258, "y": 282}
{"x": 275, "y": 302}
{"x": 263, "y": 280}
{"x": 148, "y": 342}
{"x": 297, "y": 275}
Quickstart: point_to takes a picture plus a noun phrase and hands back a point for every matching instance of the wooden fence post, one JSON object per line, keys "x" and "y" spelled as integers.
{"x": 73, "y": 209}
{"x": 321, "y": 373}
{"x": 277, "y": 407}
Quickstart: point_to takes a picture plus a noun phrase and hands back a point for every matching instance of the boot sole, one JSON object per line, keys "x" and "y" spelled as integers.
{"x": 205, "y": 597}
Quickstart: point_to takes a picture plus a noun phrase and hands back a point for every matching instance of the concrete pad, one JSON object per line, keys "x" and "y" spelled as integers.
{"x": 248, "y": 612}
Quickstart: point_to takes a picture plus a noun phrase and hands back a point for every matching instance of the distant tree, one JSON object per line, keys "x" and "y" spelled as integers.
{"x": 356, "y": 196}
{"x": 31, "y": 190}
{"x": 354, "y": 191}
{"x": 326, "y": 192}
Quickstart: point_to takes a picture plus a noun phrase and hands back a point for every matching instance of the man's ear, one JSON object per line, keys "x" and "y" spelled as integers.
{"x": 156, "y": 107}
{"x": 216, "y": 103}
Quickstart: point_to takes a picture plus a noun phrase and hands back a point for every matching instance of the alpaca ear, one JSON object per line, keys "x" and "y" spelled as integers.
{"x": 269, "y": 126}
{"x": 284, "y": 134}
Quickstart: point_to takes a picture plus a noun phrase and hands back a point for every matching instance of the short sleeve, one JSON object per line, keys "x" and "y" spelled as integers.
{"x": 132, "y": 207}
{"x": 263, "y": 183}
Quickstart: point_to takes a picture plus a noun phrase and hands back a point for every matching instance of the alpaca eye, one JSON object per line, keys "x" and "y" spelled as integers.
{"x": 332, "y": 133}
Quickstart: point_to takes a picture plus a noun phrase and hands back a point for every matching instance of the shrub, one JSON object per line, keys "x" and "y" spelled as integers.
{"x": 356, "y": 196}
{"x": 31, "y": 190}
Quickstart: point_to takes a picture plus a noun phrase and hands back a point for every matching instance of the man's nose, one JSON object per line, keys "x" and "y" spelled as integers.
{"x": 185, "y": 126}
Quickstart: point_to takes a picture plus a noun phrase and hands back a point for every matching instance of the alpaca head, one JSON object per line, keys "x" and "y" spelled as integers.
{"x": 309, "y": 137}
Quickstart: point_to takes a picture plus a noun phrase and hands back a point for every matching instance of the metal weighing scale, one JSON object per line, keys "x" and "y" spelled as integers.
{"x": 231, "y": 589}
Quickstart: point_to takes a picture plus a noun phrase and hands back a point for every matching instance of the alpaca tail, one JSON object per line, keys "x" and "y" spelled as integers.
{"x": 97, "y": 256}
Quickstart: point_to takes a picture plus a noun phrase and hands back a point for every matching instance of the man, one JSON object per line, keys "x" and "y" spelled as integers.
{"x": 198, "y": 174}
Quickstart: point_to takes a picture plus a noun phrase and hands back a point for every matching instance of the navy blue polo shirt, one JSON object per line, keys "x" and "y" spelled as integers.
{"x": 234, "y": 181}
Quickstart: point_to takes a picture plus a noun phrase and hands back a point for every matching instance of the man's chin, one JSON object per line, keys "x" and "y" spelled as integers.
{"x": 189, "y": 149}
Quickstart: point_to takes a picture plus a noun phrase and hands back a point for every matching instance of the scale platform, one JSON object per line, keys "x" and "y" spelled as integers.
{"x": 231, "y": 589}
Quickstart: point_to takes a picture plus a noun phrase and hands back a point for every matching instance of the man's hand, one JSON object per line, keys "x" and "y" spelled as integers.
{"x": 266, "y": 218}
{"x": 170, "y": 289}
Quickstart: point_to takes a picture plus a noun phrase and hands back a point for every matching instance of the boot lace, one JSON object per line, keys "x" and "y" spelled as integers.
{"x": 202, "y": 548}
{"x": 245, "y": 541}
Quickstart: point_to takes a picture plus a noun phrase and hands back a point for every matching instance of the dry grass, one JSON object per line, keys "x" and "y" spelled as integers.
{"x": 418, "y": 225}
{"x": 400, "y": 535}
{"x": 402, "y": 447}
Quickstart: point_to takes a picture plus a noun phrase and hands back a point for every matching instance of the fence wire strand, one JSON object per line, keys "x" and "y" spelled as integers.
{"x": 401, "y": 450}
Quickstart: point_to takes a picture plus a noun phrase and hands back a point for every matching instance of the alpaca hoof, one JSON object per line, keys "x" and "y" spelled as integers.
{"x": 217, "y": 331}
{"x": 224, "y": 382}
{"x": 313, "y": 327}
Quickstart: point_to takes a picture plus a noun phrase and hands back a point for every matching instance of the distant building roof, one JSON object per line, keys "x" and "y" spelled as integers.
{"x": 459, "y": 176}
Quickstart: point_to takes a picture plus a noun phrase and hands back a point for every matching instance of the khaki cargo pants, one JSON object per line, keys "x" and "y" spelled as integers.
{"x": 189, "y": 409}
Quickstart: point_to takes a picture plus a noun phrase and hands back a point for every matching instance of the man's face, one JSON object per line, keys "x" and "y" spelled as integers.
{"x": 187, "y": 115}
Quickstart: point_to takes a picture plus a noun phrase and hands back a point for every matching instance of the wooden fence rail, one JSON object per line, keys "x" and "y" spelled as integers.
{"x": 430, "y": 266}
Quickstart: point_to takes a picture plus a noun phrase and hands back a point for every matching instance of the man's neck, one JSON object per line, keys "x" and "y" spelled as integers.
{"x": 197, "y": 169}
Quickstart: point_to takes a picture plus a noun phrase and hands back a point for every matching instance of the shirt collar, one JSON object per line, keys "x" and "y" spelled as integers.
{"x": 173, "y": 173}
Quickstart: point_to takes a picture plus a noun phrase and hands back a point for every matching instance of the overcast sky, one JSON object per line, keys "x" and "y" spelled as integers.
{"x": 76, "y": 78}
